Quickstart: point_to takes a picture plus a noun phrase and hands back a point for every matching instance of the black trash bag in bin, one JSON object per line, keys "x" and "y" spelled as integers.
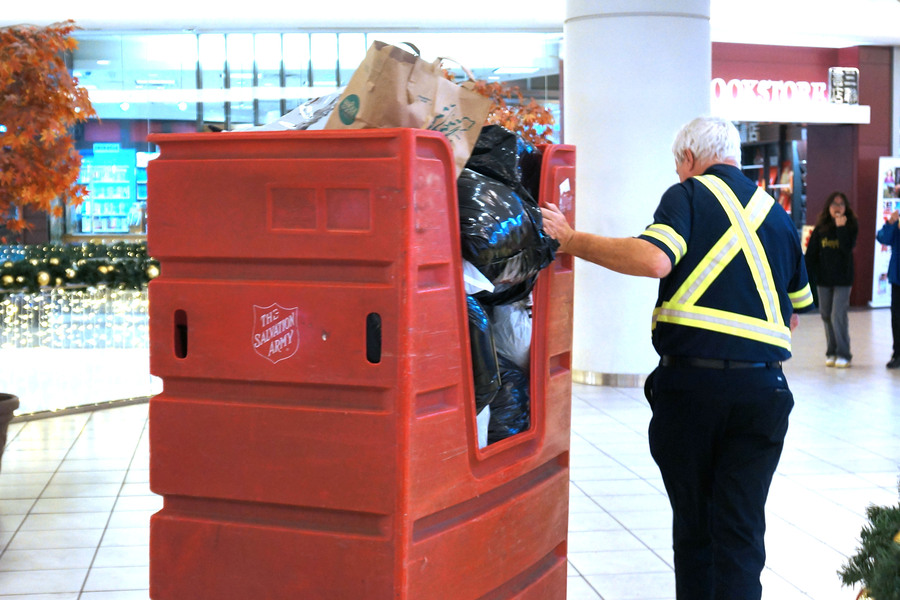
{"x": 502, "y": 236}
{"x": 530, "y": 160}
{"x": 485, "y": 368}
{"x": 507, "y": 157}
{"x": 508, "y": 294}
{"x": 511, "y": 407}
{"x": 495, "y": 154}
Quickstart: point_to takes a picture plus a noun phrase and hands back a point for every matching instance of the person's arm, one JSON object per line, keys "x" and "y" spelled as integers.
{"x": 631, "y": 256}
{"x": 846, "y": 232}
{"x": 889, "y": 229}
{"x": 812, "y": 253}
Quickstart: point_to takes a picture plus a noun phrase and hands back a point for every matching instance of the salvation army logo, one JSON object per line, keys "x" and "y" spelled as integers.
{"x": 276, "y": 333}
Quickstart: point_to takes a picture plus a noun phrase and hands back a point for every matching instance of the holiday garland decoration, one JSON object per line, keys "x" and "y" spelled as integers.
{"x": 876, "y": 564}
{"x": 121, "y": 265}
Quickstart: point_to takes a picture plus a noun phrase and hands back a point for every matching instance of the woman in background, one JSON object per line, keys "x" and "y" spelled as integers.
{"x": 829, "y": 259}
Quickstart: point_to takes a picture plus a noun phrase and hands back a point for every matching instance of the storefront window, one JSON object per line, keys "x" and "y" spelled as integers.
{"x": 351, "y": 51}
{"x": 139, "y": 76}
{"x": 240, "y": 80}
{"x": 268, "y": 93}
{"x": 212, "y": 77}
{"x": 296, "y": 68}
{"x": 324, "y": 53}
{"x": 185, "y": 82}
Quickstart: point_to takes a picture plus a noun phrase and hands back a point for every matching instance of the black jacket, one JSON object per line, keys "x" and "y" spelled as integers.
{"x": 829, "y": 254}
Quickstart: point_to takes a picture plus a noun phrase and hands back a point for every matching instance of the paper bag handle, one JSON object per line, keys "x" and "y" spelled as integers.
{"x": 415, "y": 48}
{"x": 464, "y": 68}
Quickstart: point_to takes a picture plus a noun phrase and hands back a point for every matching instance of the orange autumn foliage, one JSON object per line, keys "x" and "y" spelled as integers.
{"x": 40, "y": 102}
{"x": 527, "y": 118}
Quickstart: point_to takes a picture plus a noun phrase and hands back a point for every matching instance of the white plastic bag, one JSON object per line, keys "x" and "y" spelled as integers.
{"x": 481, "y": 421}
{"x": 475, "y": 280}
{"x": 311, "y": 115}
{"x": 512, "y": 332}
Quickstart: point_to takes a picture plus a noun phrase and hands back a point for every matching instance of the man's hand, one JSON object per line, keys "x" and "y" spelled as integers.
{"x": 556, "y": 225}
{"x": 630, "y": 255}
{"x": 895, "y": 216}
{"x": 795, "y": 320}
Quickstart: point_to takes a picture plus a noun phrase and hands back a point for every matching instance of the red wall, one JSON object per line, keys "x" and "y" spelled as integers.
{"x": 875, "y": 86}
{"x": 839, "y": 157}
{"x": 787, "y": 63}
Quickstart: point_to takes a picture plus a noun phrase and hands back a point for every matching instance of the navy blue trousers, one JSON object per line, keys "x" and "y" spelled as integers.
{"x": 717, "y": 436}
{"x": 895, "y": 317}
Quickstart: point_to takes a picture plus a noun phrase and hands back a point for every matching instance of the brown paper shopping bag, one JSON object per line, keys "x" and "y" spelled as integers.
{"x": 459, "y": 113}
{"x": 390, "y": 88}
{"x": 394, "y": 88}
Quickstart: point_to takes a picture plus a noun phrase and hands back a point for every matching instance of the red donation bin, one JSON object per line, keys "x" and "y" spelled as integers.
{"x": 316, "y": 437}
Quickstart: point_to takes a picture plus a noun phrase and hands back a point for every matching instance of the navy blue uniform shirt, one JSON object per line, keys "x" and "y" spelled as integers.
{"x": 687, "y": 224}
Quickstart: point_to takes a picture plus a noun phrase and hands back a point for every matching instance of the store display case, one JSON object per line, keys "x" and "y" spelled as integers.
{"x": 112, "y": 207}
{"x": 774, "y": 155}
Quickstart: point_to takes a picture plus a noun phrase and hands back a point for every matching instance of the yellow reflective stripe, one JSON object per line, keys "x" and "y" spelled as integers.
{"x": 724, "y": 322}
{"x": 749, "y": 241}
{"x": 721, "y": 254}
{"x": 669, "y": 237}
{"x": 802, "y": 298}
{"x": 707, "y": 270}
{"x": 767, "y": 279}
{"x": 750, "y": 244}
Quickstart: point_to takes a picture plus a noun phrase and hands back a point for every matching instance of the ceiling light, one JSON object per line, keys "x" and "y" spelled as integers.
{"x": 103, "y": 62}
{"x": 516, "y": 70}
{"x": 154, "y": 81}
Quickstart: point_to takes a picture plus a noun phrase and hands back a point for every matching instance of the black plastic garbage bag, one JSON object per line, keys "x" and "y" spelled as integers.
{"x": 507, "y": 294}
{"x": 495, "y": 154}
{"x": 485, "y": 368}
{"x": 507, "y": 157}
{"x": 511, "y": 406}
{"x": 502, "y": 236}
{"x": 530, "y": 161}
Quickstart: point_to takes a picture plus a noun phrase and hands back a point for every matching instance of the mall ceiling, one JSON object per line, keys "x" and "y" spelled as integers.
{"x": 825, "y": 23}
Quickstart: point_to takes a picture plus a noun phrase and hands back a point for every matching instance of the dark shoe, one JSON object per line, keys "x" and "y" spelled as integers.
{"x": 894, "y": 364}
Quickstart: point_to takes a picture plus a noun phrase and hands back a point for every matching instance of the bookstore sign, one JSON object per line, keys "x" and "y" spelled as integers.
{"x": 767, "y": 90}
{"x": 835, "y": 100}
{"x": 843, "y": 85}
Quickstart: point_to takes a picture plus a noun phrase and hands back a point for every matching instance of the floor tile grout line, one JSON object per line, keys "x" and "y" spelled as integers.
{"x": 46, "y": 485}
{"x": 626, "y": 528}
{"x": 112, "y": 510}
{"x": 821, "y": 495}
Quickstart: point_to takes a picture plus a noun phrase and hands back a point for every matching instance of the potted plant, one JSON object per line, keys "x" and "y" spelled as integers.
{"x": 8, "y": 405}
{"x": 876, "y": 564}
{"x": 39, "y": 164}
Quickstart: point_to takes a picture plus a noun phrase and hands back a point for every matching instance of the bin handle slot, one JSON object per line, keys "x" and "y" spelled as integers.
{"x": 181, "y": 334}
{"x": 373, "y": 338}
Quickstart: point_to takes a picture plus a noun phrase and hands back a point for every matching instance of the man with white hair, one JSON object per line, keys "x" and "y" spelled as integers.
{"x": 732, "y": 276}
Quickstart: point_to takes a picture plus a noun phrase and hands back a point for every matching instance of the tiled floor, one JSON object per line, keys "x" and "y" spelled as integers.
{"x": 75, "y": 502}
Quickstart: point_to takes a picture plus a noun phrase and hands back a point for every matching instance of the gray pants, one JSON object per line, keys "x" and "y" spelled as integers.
{"x": 833, "y": 304}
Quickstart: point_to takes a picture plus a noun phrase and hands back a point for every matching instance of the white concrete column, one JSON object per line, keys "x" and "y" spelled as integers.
{"x": 635, "y": 71}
